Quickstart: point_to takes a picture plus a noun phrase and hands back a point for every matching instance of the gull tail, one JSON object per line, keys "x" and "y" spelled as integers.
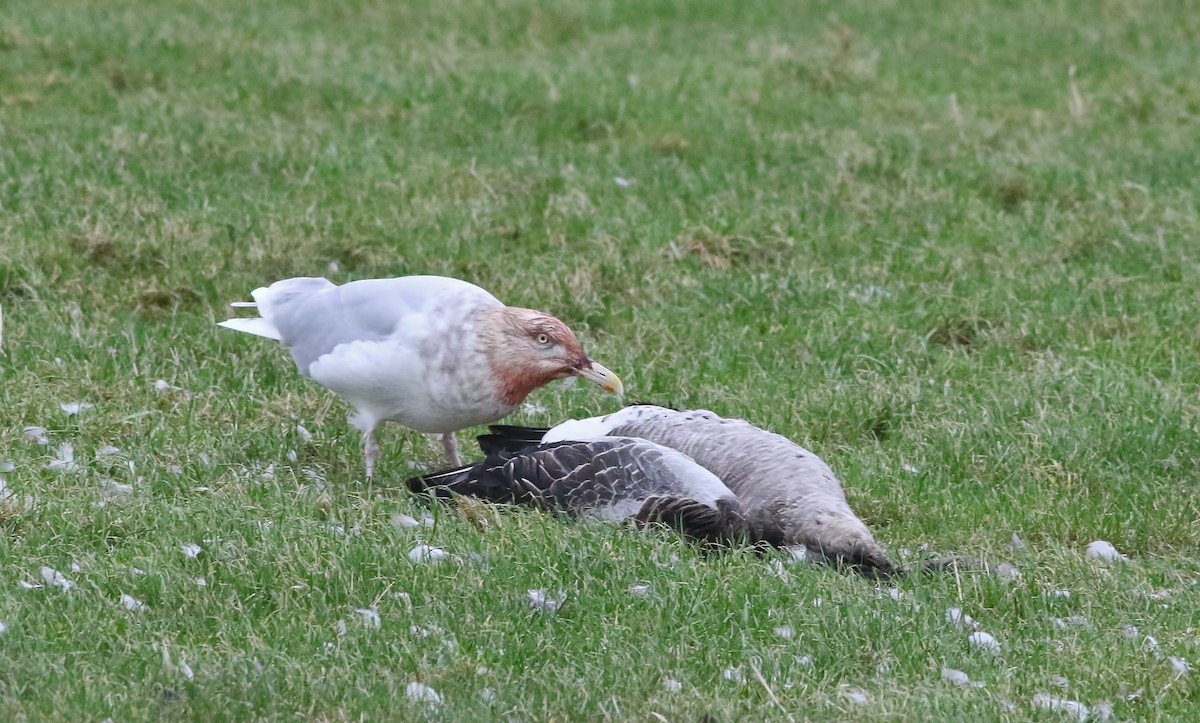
{"x": 267, "y": 300}
{"x": 257, "y": 327}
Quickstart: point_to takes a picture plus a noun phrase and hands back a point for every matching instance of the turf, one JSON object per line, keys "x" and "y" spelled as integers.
{"x": 951, "y": 247}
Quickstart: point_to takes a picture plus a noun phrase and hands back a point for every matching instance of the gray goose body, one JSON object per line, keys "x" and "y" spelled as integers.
{"x": 788, "y": 495}
{"x": 611, "y": 478}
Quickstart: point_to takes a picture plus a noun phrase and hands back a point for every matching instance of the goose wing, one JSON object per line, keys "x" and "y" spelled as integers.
{"x": 609, "y": 478}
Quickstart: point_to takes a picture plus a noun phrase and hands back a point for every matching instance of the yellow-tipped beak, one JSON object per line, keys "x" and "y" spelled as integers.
{"x": 603, "y": 378}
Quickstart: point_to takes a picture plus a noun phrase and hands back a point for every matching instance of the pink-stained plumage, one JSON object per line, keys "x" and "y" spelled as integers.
{"x": 431, "y": 353}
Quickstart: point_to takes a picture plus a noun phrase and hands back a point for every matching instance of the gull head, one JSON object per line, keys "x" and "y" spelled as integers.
{"x": 528, "y": 348}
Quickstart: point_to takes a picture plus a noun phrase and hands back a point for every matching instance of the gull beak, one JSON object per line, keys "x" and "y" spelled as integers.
{"x": 595, "y": 373}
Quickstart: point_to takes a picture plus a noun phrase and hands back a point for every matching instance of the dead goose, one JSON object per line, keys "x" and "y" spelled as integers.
{"x": 612, "y": 478}
{"x": 789, "y": 496}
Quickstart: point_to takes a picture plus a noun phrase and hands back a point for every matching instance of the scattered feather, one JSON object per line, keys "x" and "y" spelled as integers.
{"x": 955, "y": 676}
{"x": 64, "y": 458}
{"x": 37, "y": 434}
{"x": 304, "y": 434}
{"x": 54, "y": 578}
{"x": 984, "y": 641}
{"x": 201, "y": 582}
{"x": 340, "y": 628}
{"x": 428, "y": 555}
{"x": 421, "y": 693}
{"x": 132, "y": 604}
{"x": 622, "y": 182}
{"x": 29, "y": 585}
{"x": 487, "y": 695}
{"x": 191, "y": 550}
{"x": 1151, "y": 644}
{"x": 1102, "y": 550}
{"x": 73, "y": 408}
{"x": 12, "y": 502}
{"x": 539, "y": 599}
{"x": 403, "y": 522}
{"x": 292, "y": 457}
{"x": 910, "y": 468}
{"x": 640, "y": 589}
{"x": 804, "y": 661}
{"x": 1016, "y": 542}
{"x": 895, "y": 593}
{"x": 1007, "y": 571}
{"x": 734, "y": 675}
{"x": 113, "y": 490}
{"x": 370, "y": 617}
{"x": 3, "y": 628}
{"x": 1060, "y": 681}
{"x": 107, "y": 451}
{"x": 1180, "y": 666}
{"x": 7, "y": 466}
{"x": 1102, "y": 711}
{"x": 1064, "y": 594}
{"x": 1073, "y": 708}
{"x": 137, "y": 571}
{"x": 1076, "y": 621}
{"x": 958, "y": 617}
{"x": 784, "y": 631}
{"x": 798, "y": 553}
{"x": 186, "y": 670}
{"x": 671, "y": 685}
{"x": 855, "y": 696}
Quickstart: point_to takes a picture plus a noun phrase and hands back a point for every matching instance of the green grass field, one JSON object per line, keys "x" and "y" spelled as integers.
{"x": 951, "y": 247}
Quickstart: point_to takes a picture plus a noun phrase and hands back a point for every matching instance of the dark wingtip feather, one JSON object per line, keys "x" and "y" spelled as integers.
{"x": 440, "y": 483}
{"x": 509, "y": 438}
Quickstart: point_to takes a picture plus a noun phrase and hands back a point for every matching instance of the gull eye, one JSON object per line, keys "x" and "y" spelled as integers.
{"x": 542, "y": 339}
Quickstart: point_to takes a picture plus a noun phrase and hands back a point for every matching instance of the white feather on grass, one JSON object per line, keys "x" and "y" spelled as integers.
{"x": 54, "y": 578}
{"x": 421, "y": 693}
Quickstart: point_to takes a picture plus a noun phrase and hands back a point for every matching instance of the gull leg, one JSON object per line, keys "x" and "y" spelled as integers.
{"x": 370, "y": 451}
{"x": 450, "y": 444}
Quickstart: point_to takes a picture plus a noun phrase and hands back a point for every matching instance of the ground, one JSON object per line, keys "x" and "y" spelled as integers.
{"x": 950, "y": 247}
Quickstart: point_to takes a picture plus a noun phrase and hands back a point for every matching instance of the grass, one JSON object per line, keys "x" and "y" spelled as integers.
{"x": 909, "y": 237}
